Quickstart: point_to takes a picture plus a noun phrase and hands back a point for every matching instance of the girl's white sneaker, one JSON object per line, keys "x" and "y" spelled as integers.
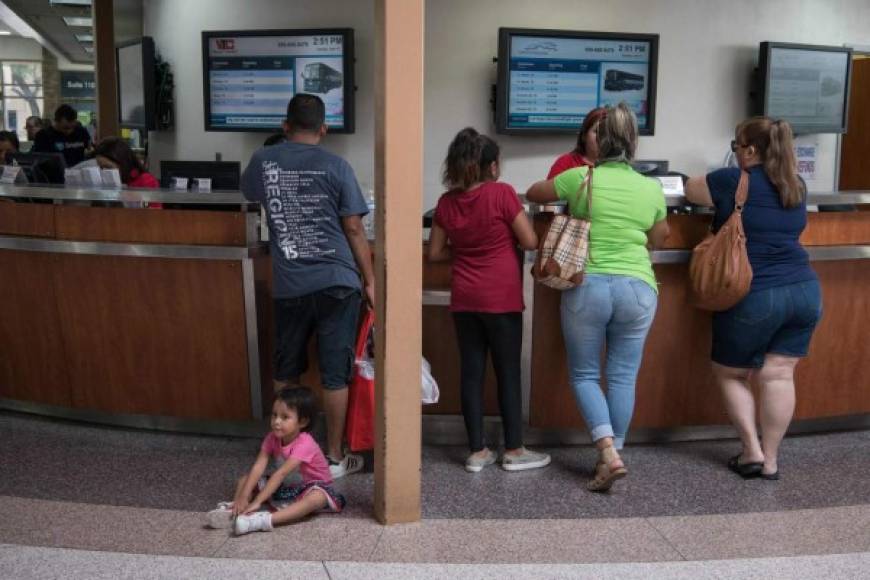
{"x": 221, "y": 517}
{"x": 256, "y": 522}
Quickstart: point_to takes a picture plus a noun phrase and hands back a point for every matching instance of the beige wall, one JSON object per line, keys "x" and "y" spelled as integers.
{"x": 707, "y": 52}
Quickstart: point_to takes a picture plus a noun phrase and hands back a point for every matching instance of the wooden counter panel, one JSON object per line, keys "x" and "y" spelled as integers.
{"x": 835, "y": 378}
{"x": 441, "y": 349}
{"x": 154, "y": 336}
{"x": 26, "y": 219}
{"x": 675, "y": 385}
{"x": 835, "y": 229}
{"x": 151, "y": 226}
{"x": 32, "y": 358}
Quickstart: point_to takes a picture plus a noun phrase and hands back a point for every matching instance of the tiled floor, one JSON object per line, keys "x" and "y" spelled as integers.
{"x": 80, "y": 501}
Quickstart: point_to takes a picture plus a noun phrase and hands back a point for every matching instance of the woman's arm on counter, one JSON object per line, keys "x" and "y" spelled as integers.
{"x": 542, "y": 192}
{"x": 697, "y": 191}
{"x": 439, "y": 251}
{"x": 658, "y": 233}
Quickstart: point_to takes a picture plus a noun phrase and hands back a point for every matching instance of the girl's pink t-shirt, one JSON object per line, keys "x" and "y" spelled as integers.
{"x": 486, "y": 269}
{"x": 313, "y": 465}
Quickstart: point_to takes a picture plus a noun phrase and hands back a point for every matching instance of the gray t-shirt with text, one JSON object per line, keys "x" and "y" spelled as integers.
{"x": 305, "y": 191}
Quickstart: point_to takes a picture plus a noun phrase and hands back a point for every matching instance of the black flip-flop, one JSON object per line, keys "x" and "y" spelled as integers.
{"x": 770, "y": 476}
{"x": 745, "y": 470}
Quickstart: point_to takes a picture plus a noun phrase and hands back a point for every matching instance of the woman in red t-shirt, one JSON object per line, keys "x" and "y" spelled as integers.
{"x": 114, "y": 153}
{"x": 478, "y": 223}
{"x": 586, "y": 151}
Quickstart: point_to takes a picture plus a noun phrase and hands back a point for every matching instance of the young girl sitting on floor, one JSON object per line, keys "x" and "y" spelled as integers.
{"x": 295, "y": 454}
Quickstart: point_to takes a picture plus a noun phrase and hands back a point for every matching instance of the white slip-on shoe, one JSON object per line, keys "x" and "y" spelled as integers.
{"x": 476, "y": 464}
{"x": 525, "y": 460}
{"x": 351, "y": 463}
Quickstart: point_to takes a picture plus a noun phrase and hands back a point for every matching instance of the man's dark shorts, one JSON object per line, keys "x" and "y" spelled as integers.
{"x": 332, "y": 313}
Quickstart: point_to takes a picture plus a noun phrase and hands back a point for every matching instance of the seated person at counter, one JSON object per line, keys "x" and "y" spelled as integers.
{"x": 615, "y": 305}
{"x": 586, "y": 151}
{"x": 114, "y": 153}
{"x": 484, "y": 221}
{"x": 314, "y": 205}
{"x": 66, "y": 135}
{"x": 9, "y": 144}
{"x": 769, "y": 331}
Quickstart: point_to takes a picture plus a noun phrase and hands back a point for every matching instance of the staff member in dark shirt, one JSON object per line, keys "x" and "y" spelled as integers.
{"x": 65, "y": 136}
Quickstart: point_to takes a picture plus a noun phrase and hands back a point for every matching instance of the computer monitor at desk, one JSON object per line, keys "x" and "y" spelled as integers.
{"x": 224, "y": 175}
{"x": 40, "y": 167}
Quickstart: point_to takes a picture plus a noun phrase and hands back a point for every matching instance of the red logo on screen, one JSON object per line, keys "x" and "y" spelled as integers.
{"x": 225, "y": 43}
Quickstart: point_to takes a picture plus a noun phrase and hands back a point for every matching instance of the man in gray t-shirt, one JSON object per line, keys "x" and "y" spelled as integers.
{"x": 318, "y": 247}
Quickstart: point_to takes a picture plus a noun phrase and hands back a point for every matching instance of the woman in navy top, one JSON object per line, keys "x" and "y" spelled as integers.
{"x": 768, "y": 332}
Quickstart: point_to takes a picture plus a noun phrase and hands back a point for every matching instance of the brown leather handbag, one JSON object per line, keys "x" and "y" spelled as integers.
{"x": 720, "y": 271}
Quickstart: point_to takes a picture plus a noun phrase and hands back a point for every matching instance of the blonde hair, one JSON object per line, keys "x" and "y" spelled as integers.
{"x": 617, "y": 134}
{"x": 774, "y": 141}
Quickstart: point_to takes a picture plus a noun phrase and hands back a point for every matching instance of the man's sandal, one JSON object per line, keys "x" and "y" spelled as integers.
{"x": 606, "y": 473}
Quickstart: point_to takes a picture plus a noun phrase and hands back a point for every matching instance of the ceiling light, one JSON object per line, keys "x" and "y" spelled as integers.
{"x": 70, "y": 2}
{"x": 89, "y": 49}
{"x": 85, "y": 37}
{"x": 5, "y": 33}
{"x": 78, "y": 21}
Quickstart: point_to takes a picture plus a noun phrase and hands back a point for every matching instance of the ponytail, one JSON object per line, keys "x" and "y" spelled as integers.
{"x": 780, "y": 165}
{"x": 775, "y": 143}
{"x": 469, "y": 159}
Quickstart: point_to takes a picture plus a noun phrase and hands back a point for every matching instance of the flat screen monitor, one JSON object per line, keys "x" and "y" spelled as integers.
{"x": 548, "y": 80}
{"x": 136, "y": 84}
{"x": 250, "y": 76}
{"x": 806, "y": 85}
{"x": 41, "y": 167}
{"x": 224, "y": 175}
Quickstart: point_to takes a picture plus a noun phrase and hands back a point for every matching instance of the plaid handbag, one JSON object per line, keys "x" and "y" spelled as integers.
{"x": 563, "y": 252}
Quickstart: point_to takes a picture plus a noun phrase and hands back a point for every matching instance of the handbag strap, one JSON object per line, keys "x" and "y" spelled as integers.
{"x": 587, "y": 184}
{"x": 364, "y": 331}
{"x": 742, "y": 193}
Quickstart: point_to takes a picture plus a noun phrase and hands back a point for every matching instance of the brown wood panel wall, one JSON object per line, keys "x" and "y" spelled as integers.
{"x": 26, "y": 219}
{"x": 154, "y": 336}
{"x": 32, "y": 357}
{"x": 150, "y": 226}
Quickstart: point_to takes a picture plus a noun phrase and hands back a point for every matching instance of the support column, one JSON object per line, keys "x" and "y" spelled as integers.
{"x": 104, "y": 68}
{"x": 399, "y": 37}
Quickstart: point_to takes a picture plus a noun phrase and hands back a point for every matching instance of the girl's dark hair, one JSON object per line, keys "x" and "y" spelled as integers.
{"x": 775, "y": 144}
{"x": 302, "y": 400}
{"x": 469, "y": 159}
{"x": 10, "y": 137}
{"x": 592, "y": 117}
{"x": 117, "y": 150}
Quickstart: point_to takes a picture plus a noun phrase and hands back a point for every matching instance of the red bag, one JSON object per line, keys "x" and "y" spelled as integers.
{"x": 360, "y": 423}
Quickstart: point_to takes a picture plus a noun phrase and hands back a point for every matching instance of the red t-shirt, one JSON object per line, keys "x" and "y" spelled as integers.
{"x": 486, "y": 270}
{"x": 567, "y": 161}
{"x": 145, "y": 180}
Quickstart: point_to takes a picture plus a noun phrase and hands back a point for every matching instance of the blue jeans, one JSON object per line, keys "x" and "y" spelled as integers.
{"x": 616, "y": 312}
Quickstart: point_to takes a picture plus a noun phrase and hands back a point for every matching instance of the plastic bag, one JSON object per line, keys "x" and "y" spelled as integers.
{"x": 430, "y": 387}
{"x": 360, "y": 422}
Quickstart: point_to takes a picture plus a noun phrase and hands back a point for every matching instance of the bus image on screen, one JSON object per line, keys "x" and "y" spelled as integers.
{"x": 620, "y": 80}
{"x": 320, "y": 78}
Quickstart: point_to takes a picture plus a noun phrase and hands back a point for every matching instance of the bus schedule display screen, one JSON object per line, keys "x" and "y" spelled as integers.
{"x": 250, "y": 76}
{"x": 548, "y": 80}
{"x": 806, "y": 85}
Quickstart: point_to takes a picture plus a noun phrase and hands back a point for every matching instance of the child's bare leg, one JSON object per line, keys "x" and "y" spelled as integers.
{"x": 313, "y": 501}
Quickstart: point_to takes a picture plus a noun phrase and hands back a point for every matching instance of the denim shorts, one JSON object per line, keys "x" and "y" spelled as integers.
{"x": 332, "y": 313}
{"x": 777, "y": 320}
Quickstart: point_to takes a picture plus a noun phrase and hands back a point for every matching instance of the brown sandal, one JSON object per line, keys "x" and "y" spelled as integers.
{"x": 605, "y": 472}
